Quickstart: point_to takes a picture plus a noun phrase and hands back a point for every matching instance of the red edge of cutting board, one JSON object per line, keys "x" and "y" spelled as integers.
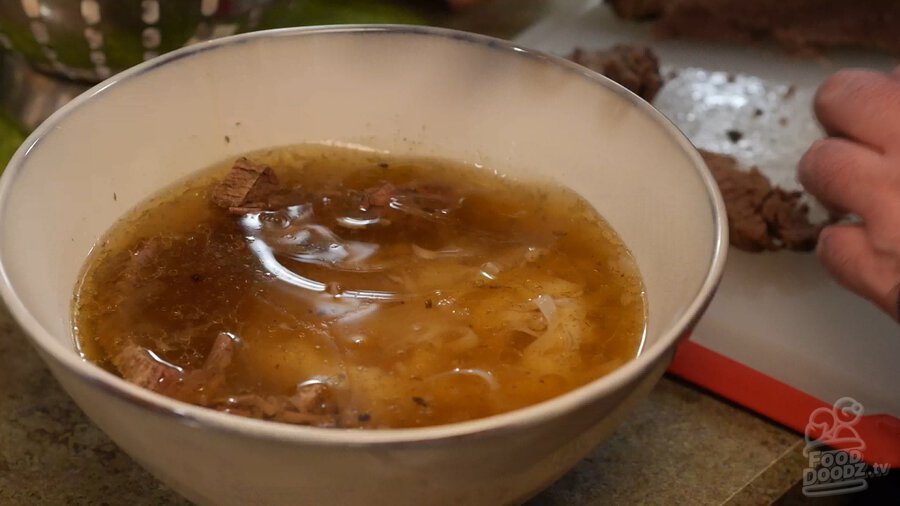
{"x": 778, "y": 401}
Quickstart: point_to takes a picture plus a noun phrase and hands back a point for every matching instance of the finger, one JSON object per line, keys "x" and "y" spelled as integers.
{"x": 845, "y": 176}
{"x": 845, "y": 252}
{"x": 863, "y": 105}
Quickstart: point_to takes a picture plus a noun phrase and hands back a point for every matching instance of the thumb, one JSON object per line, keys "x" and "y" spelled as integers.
{"x": 846, "y": 253}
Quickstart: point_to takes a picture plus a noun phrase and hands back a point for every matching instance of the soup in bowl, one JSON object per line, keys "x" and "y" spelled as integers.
{"x": 423, "y": 263}
{"x": 340, "y": 288}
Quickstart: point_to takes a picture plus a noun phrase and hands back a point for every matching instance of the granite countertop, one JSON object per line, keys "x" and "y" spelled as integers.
{"x": 681, "y": 446}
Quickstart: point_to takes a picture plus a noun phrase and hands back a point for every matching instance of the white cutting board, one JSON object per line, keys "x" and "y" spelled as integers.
{"x": 778, "y": 313}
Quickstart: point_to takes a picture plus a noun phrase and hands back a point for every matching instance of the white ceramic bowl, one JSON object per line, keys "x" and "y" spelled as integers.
{"x": 395, "y": 89}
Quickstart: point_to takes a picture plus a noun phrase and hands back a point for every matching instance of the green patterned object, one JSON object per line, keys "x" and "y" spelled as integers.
{"x": 10, "y": 140}
{"x": 336, "y": 12}
{"x": 92, "y": 39}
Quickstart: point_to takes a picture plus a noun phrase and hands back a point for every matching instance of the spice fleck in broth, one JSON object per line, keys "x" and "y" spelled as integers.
{"x": 330, "y": 287}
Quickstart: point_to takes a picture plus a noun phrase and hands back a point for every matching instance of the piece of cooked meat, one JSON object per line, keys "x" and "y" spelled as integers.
{"x": 381, "y": 195}
{"x": 309, "y": 405}
{"x": 143, "y": 368}
{"x": 247, "y": 187}
{"x": 138, "y": 366}
{"x": 744, "y": 193}
{"x": 789, "y": 218}
{"x": 138, "y": 270}
{"x": 760, "y": 217}
{"x": 800, "y": 26}
{"x": 430, "y": 201}
{"x": 634, "y": 67}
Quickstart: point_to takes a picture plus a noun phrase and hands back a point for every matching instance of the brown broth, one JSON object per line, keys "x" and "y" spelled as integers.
{"x": 518, "y": 294}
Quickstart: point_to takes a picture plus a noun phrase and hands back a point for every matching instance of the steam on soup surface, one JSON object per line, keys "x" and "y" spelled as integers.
{"x": 331, "y": 287}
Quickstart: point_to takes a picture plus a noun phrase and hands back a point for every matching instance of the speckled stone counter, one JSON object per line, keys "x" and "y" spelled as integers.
{"x": 681, "y": 446}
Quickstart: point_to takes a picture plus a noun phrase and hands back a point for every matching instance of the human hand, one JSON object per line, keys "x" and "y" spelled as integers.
{"x": 856, "y": 170}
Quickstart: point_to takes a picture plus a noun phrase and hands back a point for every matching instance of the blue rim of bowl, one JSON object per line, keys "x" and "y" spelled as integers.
{"x": 230, "y": 424}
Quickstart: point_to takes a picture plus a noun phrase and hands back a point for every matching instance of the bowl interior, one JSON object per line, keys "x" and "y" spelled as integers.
{"x": 400, "y": 90}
